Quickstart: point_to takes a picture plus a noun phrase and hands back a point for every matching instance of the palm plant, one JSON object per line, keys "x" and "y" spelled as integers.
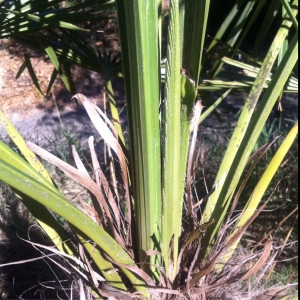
{"x": 138, "y": 230}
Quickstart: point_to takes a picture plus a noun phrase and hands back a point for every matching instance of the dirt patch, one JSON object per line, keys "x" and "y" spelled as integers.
{"x": 20, "y": 100}
{"x": 20, "y": 96}
{"x": 35, "y": 116}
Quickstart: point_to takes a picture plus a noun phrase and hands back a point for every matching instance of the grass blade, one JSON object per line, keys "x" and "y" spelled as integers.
{"x": 50, "y": 199}
{"x": 261, "y": 187}
{"x": 56, "y": 233}
{"x": 139, "y": 35}
{"x": 237, "y": 153}
{"x": 172, "y": 198}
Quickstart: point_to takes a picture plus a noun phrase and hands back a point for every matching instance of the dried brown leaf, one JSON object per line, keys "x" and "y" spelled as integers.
{"x": 246, "y": 274}
{"x": 152, "y": 252}
{"x": 142, "y": 274}
{"x": 192, "y": 237}
{"x": 90, "y": 211}
{"x": 208, "y": 267}
{"x": 79, "y": 164}
{"x": 110, "y": 138}
{"x": 81, "y": 178}
{"x": 274, "y": 292}
{"x": 110, "y": 292}
{"x": 259, "y": 264}
{"x": 102, "y": 182}
{"x": 189, "y": 174}
{"x": 258, "y": 156}
{"x": 97, "y": 214}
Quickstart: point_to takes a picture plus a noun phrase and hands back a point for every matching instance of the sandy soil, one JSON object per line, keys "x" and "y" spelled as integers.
{"x": 35, "y": 116}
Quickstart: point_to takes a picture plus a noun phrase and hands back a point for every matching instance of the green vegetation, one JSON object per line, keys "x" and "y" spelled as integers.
{"x": 145, "y": 232}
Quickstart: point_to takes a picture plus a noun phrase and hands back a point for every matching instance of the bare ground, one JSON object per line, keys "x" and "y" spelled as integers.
{"x": 37, "y": 117}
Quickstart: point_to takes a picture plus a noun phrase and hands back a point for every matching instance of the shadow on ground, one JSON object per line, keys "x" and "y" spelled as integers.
{"x": 37, "y": 279}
